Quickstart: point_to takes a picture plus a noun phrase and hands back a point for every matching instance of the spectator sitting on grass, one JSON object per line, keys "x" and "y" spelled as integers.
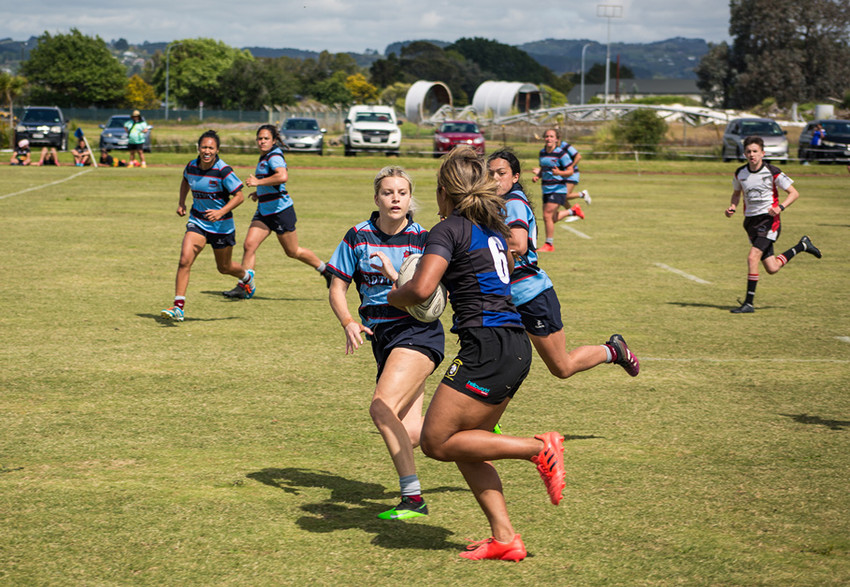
{"x": 48, "y": 157}
{"x": 21, "y": 153}
{"x": 82, "y": 155}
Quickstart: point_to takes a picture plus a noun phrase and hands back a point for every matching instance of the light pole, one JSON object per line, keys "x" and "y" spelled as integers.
{"x": 608, "y": 11}
{"x": 583, "y": 49}
{"x": 167, "y": 54}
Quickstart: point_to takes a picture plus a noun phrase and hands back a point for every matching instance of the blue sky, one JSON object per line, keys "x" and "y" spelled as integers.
{"x": 343, "y": 25}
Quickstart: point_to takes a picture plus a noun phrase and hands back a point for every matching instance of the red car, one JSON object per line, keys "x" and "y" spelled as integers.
{"x": 457, "y": 132}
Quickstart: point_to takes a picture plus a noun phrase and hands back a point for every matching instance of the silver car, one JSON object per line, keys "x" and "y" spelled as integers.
{"x": 303, "y": 134}
{"x": 775, "y": 141}
{"x": 115, "y": 136}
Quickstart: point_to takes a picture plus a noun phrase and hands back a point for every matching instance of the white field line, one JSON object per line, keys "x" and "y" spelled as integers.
{"x": 682, "y": 273}
{"x": 575, "y": 232}
{"x": 38, "y": 187}
{"x": 843, "y": 338}
{"x": 773, "y": 360}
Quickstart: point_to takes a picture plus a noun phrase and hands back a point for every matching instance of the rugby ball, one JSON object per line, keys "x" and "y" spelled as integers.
{"x": 433, "y": 307}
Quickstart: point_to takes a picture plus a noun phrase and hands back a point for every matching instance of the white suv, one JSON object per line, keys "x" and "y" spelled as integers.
{"x": 371, "y": 128}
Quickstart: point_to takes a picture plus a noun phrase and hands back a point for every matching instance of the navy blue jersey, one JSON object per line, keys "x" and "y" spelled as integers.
{"x": 211, "y": 190}
{"x": 352, "y": 262}
{"x": 271, "y": 199}
{"x": 528, "y": 280}
{"x": 477, "y": 277}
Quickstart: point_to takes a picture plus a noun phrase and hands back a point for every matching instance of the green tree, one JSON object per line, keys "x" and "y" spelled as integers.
{"x": 714, "y": 76}
{"x": 385, "y": 72}
{"x": 332, "y": 90}
{"x": 140, "y": 94}
{"x": 74, "y": 70}
{"x": 642, "y": 129}
{"x": 11, "y": 86}
{"x": 782, "y": 49}
{"x": 596, "y": 74}
{"x": 195, "y": 66}
{"x": 360, "y": 89}
{"x": 251, "y": 84}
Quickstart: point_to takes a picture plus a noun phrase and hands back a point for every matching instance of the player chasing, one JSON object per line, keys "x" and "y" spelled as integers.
{"x": 533, "y": 291}
{"x": 407, "y": 351}
{"x": 275, "y": 211}
{"x": 558, "y": 174}
{"x": 758, "y": 182}
{"x": 216, "y": 191}
{"x": 468, "y": 253}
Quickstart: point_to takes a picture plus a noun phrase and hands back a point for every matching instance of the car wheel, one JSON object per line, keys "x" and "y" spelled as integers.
{"x": 63, "y": 145}
{"x": 321, "y": 151}
{"x": 348, "y": 151}
{"x": 723, "y": 156}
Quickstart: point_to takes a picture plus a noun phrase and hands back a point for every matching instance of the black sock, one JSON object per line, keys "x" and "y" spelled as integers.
{"x": 752, "y": 282}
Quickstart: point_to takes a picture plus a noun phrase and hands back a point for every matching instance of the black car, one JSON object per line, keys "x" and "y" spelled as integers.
{"x": 115, "y": 135}
{"x": 43, "y": 126}
{"x": 303, "y": 134}
{"x": 834, "y": 146}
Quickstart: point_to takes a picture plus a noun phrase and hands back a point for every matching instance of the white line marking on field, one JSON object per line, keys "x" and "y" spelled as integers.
{"x": 843, "y": 338}
{"x": 773, "y": 360}
{"x": 38, "y": 187}
{"x": 682, "y": 273}
{"x": 575, "y": 232}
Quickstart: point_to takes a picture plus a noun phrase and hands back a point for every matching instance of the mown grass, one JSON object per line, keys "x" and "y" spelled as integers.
{"x": 236, "y": 447}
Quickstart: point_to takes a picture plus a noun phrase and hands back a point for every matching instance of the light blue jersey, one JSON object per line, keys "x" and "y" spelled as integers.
{"x": 351, "y": 262}
{"x": 560, "y": 158}
{"x": 271, "y": 199}
{"x": 211, "y": 190}
{"x": 527, "y": 279}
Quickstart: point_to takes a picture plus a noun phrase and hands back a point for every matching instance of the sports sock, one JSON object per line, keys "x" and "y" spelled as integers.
{"x": 609, "y": 358}
{"x": 410, "y": 486}
{"x": 550, "y": 241}
{"x": 752, "y": 282}
{"x": 246, "y": 278}
{"x": 321, "y": 268}
{"x": 180, "y": 301}
{"x": 791, "y": 253}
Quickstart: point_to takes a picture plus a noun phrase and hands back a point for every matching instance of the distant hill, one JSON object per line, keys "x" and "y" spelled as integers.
{"x": 671, "y": 59}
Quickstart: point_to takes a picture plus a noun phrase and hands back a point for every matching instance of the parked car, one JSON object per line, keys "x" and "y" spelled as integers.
{"x": 371, "y": 128}
{"x": 834, "y": 147}
{"x": 43, "y": 126}
{"x": 303, "y": 134}
{"x": 775, "y": 141}
{"x": 115, "y": 136}
{"x": 452, "y": 133}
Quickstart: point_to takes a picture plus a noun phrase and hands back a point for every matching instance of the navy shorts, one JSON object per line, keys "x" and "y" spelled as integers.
{"x": 135, "y": 146}
{"x": 491, "y": 364}
{"x": 279, "y": 222}
{"x": 556, "y": 198}
{"x": 541, "y": 316}
{"x": 761, "y": 234}
{"x": 426, "y": 338}
{"x": 216, "y": 240}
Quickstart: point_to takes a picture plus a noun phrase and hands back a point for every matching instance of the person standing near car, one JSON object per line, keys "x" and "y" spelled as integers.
{"x": 759, "y": 183}
{"x": 137, "y": 129}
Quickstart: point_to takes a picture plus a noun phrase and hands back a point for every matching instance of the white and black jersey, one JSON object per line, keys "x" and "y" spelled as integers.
{"x": 760, "y": 188}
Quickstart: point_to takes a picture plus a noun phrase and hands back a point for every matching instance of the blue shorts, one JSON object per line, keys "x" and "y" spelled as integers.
{"x": 215, "y": 239}
{"x": 279, "y": 222}
{"x": 424, "y": 337}
{"x": 541, "y": 316}
{"x": 555, "y": 198}
{"x": 491, "y": 364}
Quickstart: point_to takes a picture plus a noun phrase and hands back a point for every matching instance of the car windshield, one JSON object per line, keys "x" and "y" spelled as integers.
{"x": 41, "y": 116}
{"x": 459, "y": 127}
{"x": 760, "y": 128}
{"x": 372, "y": 117}
{"x": 117, "y": 121}
{"x": 301, "y": 124}
{"x": 837, "y": 128}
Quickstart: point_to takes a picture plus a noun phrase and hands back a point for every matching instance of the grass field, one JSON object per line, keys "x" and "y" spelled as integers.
{"x": 236, "y": 448}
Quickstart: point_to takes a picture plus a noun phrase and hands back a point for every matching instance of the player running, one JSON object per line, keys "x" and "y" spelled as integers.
{"x": 758, "y": 182}
{"x": 533, "y": 292}
{"x": 468, "y": 253}
{"x": 275, "y": 210}
{"x": 216, "y": 191}
{"x": 407, "y": 351}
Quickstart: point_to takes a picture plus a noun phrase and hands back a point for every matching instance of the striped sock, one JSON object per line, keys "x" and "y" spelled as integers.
{"x": 752, "y": 282}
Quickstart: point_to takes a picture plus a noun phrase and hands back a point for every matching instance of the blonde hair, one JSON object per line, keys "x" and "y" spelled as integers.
{"x": 467, "y": 183}
{"x": 396, "y": 171}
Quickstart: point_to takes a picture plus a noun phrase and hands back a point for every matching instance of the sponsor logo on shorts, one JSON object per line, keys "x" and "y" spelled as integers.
{"x": 472, "y": 386}
{"x": 539, "y": 325}
{"x": 453, "y": 368}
